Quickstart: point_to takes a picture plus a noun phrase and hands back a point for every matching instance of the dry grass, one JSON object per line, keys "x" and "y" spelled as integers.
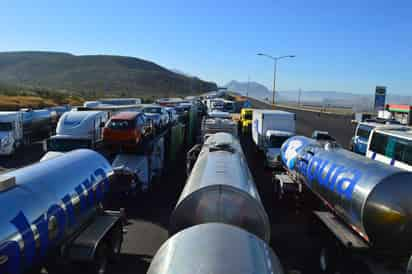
{"x": 16, "y": 102}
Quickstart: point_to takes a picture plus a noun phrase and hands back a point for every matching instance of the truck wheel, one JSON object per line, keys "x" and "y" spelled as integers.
{"x": 101, "y": 257}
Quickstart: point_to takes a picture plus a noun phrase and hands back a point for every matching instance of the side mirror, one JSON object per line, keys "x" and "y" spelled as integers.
{"x": 102, "y": 124}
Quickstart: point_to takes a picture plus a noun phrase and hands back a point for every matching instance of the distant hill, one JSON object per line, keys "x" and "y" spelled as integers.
{"x": 253, "y": 89}
{"x": 95, "y": 74}
{"x": 358, "y": 102}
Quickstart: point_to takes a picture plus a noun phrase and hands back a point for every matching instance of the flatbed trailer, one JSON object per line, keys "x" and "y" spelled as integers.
{"x": 137, "y": 170}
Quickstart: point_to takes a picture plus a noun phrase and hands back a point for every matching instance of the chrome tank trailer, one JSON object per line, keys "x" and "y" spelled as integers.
{"x": 374, "y": 199}
{"x": 220, "y": 189}
{"x": 214, "y": 248}
{"x": 45, "y": 203}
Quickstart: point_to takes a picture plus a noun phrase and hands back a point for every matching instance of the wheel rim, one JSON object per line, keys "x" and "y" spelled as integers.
{"x": 323, "y": 259}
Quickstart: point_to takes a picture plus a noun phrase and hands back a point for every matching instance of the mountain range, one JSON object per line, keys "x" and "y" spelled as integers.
{"x": 358, "y": 102}
{"x": 91, "y": 74}
{"x": 251, "y": 89}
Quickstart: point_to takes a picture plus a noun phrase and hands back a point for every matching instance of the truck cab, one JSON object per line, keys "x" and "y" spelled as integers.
{"x": 11, "y": 132}
{"x": 265, "y": 120}
{"x": 274, "y": 141}
{"x": 246, "y": 119}
{"x": 126, "y": 129}
{"x": 77, "y": 129}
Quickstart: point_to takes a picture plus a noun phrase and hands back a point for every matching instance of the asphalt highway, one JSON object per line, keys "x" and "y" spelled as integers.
{"x": 338, "y": 125}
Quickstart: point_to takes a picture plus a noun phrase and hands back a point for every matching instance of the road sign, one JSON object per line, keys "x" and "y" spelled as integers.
{"x": 380, "y": 98}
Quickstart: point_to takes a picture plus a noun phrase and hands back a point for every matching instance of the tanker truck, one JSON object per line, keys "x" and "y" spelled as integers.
{"x": 215, "y": 248}
{"x": 221, "y": 189}
{"x": 365, "y": 222}
{"x": 48, "y": 220}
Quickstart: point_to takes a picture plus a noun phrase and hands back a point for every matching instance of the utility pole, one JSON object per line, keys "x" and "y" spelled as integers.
{"x": 275, "y": 62}
{"x": 300, "y": 94}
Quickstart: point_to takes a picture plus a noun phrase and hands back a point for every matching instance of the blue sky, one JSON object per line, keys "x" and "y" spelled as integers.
{"x": 350, "y": 45}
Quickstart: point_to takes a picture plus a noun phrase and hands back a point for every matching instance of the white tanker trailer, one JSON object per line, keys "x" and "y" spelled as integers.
{"x": 52, "y": 211}
{"x": 215, "y": 248}
{"x": 220, "y": 188}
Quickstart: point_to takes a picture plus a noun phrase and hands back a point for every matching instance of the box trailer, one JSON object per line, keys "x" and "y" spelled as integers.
{"x": 264, "y": 120}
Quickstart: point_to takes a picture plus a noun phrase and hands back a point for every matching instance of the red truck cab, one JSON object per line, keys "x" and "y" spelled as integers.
{"x": 126, "y": 129}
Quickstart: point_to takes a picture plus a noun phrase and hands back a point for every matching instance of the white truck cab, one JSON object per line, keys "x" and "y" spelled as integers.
{"x": 267, "y": 119}
{"x": 78, "y": 129}
{"x": 270, "y": 128}
{"x": 275, "y": 139}
{"x": 11, "y": 132}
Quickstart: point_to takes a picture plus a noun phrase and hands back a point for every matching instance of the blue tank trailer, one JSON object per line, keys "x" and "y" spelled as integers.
{"x": 52, "y": 210}
{"x": 369, "y": 209}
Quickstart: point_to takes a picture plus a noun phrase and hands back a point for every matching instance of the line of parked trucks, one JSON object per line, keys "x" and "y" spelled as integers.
{"x": 363, "y": 222}
{"x": 55, "y": 214}
{"x": 219, "y": 224}
{"x": 363, "y": 225}
{"x": 18, "y": 128}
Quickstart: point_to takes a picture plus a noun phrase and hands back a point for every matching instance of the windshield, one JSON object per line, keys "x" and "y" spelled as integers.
{"x": 6, "y": 126}
{"x": 63, "y": 145}
{"x": 364, "y": 131}
{"x": 152, "y": 110}
{"x": 248, "y": 116}
{"x": 120, "y": 124}
{"x": 277, "y": 141}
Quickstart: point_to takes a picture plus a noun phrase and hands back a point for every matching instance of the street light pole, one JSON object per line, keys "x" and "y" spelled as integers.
{"x": 275, "y": 60}
{"x": 274, "y": 80}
